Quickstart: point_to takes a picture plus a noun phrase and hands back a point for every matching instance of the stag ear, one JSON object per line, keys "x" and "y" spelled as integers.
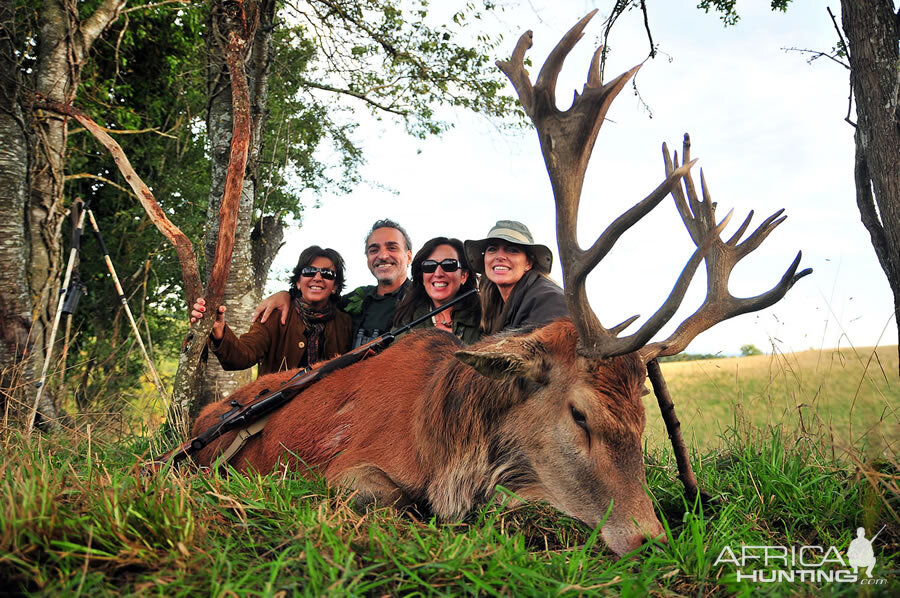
{"x": 509, "y": 358}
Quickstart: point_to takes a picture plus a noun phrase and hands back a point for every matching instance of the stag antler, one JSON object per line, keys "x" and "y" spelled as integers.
{"x": 699, "y": 218}
{"x": 567, "y": 139}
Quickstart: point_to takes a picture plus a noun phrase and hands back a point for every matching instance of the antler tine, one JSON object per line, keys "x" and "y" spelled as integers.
{"x": 720, "y": 304}
{"x": 608, "y": 239}
{"x": 514, "y": 69}
{"x": 593, "y": 78}
{"x": 677, "y": 194}
{"x": 615, "y": 330}
{"x": 761, "y": 232}
{"x": 553, "y": 65}
{"x": 741, "y": 230}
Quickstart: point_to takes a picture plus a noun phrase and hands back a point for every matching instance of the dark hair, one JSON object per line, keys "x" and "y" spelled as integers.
{"x": 492, "y": 302}
{"x": 416, "y": 296}
{"x": 388, "y": 223}
{"x": 311, "y": 253}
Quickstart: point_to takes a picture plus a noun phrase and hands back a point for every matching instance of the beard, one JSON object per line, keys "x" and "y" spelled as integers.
{"x": 387, "y": 275}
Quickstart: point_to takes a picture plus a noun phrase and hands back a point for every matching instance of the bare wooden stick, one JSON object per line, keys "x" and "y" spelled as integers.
{"x": 673, "y": 427}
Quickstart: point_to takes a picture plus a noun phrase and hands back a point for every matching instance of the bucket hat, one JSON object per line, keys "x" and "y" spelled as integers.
{"x": 511, "y": 232}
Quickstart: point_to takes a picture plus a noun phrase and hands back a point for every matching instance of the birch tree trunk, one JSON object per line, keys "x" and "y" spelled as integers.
{"x": 64, "y": 43}
{"x": 873, "y": 30}
{"x": 15, "y": 302}
{"x": 242, "y": 293}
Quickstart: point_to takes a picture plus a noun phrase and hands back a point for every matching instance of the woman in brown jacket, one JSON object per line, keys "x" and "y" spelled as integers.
{"x": 316, "y": 329}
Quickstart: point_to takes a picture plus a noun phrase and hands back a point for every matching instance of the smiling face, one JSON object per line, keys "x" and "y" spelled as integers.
{"x": 443, "y": 286}
{"x": 505, "y": 264}
{"x": 388, "y": 258}
{"x": 316, "y": 290}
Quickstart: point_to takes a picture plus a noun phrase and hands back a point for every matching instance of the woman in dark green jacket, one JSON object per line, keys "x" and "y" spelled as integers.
{"x": 516, "y": 291}
{"x": 440, "y": 272}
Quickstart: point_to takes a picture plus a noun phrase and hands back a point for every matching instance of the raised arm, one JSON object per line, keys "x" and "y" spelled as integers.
{"x": 280, "y": 301}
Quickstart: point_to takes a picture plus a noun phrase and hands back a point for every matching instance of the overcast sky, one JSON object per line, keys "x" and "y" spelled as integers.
{"x": 768, "y": 130}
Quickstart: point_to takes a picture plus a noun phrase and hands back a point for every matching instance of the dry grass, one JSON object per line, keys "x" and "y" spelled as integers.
{"x": 851, "y": 396}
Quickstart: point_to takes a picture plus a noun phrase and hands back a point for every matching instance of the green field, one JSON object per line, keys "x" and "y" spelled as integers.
{"x": 770, "y": 442}
{"x": 848, "y": 397}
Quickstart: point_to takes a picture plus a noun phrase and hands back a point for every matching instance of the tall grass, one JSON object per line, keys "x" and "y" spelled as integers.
{"x": 78, "y": 518}
{"x": 850, "y": 397}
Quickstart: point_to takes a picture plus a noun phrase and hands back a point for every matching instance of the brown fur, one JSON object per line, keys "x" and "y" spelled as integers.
{"x": 415, "y": 425}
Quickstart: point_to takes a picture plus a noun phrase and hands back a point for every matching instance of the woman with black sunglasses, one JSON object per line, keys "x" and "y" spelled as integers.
{"x": 316, "y": 328}
{"x": 440, "y": 272}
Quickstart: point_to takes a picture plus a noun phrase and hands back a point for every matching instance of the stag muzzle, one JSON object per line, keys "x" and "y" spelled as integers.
{"x": 627, "y": 536}
{"x": 632, "y": 524}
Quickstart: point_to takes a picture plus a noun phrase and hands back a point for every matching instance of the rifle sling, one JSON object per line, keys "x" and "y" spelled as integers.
{"x": 243, "y": 435}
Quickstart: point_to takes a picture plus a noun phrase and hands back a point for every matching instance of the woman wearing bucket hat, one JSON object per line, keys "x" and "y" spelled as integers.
{"x": 440, "y": 272}
{"x": 515, "y": 289}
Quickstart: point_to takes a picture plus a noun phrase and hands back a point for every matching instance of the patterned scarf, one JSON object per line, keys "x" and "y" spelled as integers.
{"x": 314, "y": 322}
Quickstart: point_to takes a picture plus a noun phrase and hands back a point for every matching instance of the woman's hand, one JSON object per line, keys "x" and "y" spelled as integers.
{"x": 218, "y": 329}
{"x": 279, "y": 301}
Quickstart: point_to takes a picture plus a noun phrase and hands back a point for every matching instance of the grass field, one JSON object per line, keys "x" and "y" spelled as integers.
{"x": 850, "y": 397}
{"x": 77, "y": 519}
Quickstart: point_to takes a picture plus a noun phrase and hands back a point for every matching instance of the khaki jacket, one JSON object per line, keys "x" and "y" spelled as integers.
{"x": 276, "y": 348}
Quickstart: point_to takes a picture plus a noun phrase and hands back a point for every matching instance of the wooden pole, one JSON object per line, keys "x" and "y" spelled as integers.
{"x": 673, "y": 427}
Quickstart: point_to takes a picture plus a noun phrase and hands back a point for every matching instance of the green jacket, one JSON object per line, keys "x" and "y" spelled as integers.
{"x": 372, "y": 314}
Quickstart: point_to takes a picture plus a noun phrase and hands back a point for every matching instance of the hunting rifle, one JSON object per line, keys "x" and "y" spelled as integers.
{"x": 268, "y": 401}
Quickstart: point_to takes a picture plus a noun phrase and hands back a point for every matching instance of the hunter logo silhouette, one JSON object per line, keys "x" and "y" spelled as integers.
{"x": 860, "y": 553}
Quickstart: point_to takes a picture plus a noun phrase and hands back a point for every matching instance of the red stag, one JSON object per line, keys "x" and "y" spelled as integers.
{"x": 554, "y": 415}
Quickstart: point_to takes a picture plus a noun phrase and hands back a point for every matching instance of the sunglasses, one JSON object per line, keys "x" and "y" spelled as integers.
{"x": 310, "y": 271}
{"x": 448, "y": 265}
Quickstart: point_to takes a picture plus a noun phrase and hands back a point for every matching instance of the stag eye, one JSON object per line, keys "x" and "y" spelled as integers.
{"x": 580, "y": 419}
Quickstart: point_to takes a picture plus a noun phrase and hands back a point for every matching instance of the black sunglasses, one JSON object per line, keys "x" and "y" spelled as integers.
{"x": 448, "y": 265}
{"x": 310, "y": 271}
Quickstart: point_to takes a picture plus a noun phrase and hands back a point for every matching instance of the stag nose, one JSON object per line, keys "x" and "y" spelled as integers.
{"x": 629, "y": 538}
{"x": 642, "y": 539}
{"x": 639, "y": 540}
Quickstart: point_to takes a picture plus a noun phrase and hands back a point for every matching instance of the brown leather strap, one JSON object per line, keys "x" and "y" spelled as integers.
{"x": 243, "y": 435}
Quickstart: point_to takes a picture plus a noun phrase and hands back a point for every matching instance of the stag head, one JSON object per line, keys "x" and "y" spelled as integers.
{"x": 567, "y": 140}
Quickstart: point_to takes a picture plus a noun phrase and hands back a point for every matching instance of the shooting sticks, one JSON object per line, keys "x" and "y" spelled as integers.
{"x": 73, "y": 253}
{"x": 124, "y": 301}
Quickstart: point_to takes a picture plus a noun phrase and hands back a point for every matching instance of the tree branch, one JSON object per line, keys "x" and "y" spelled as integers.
{"x": 126, "y": 131}
{"x": 817, "y": 54}
{"x": 355, "y": 94}
{"x": 647, "y": 28}
{"x": 105, "y": 15}
{"x": 155, "y": 5}
{"x": 105, "y": 181}
{"x": 183, "y": 247}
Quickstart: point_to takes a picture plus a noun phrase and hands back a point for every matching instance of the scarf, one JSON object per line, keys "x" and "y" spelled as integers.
{"x": 314, "y": 321}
